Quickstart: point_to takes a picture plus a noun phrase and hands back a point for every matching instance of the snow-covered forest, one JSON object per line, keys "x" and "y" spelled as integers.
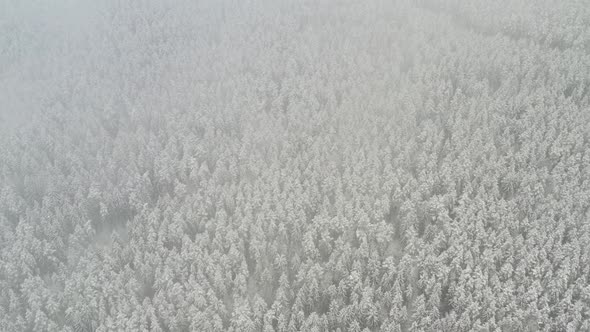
{"x": 282, "y": 165}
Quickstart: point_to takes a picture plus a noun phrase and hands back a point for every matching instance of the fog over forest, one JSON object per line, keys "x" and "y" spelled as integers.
{"x": 294, "y": 165}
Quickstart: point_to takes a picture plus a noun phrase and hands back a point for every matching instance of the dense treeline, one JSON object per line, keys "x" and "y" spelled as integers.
{"x": 296, "y": 165}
